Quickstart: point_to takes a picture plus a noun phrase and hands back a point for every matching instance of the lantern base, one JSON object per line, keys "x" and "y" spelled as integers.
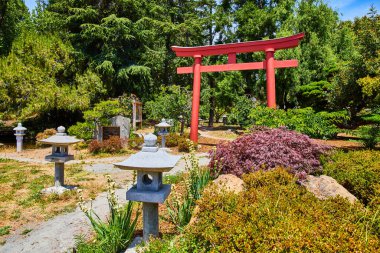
{"x": 149, "y": 196}
{"x": 58, "y": 189}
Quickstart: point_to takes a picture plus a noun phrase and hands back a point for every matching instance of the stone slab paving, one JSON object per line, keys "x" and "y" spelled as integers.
{"x": 58, "y": 234}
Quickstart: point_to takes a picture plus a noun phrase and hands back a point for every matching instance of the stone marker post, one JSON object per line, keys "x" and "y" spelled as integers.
{"x": 150, "y": 163}
{"x": 19, "y": 133}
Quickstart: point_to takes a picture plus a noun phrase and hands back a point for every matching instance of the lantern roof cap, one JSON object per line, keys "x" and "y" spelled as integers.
{"x": 60, "y": 138}
{"x": 159, "y": 161}
{"x": 163, "y": 124}
{"x": 19, "y": 127}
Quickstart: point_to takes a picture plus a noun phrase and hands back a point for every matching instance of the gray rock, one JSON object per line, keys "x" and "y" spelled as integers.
{"x": 324, "y": 187}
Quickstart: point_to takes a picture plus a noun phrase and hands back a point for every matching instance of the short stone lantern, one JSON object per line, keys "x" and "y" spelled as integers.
{"x": 60, "y": 154}
{"x": 182, "y": 121}
{"x": 19, "y": 133}
{"x": 163, "y": 131}
{"x": 149, "y": 163}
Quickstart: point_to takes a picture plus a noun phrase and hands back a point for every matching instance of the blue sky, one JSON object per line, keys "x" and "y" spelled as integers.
{"x": 348, "y": 9}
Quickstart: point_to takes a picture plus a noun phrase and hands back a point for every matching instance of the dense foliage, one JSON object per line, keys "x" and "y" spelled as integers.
{"x": 274, "y": 214}
{"x": 170, "y": 103}
{"x": 305, "y": 120}
{"x": 100, "y": 115}
{"x": 358, "y": 172}
{"x": 267, "y": 149}
{"x": 69, "y": 55}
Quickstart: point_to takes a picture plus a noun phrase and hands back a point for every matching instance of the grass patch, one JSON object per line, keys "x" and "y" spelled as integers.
{"x": 26, "y": 231}
{"x": 5, "y": 230}
{"x": 21, "y": 184}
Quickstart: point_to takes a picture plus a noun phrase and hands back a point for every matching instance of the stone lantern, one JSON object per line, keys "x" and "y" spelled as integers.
{"x": 163, "y": 131}
{"x": 19, "y": 133}
{"x": 149, "y": 163}
{"x": 60, "y": 154}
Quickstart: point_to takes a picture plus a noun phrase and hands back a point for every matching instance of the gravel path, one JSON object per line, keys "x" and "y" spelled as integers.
{"x": 58, "y": 234}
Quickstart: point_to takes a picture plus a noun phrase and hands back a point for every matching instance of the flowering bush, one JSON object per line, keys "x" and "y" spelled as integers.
{"x": 267, "y": 149}
{"x": 112, "y": 145}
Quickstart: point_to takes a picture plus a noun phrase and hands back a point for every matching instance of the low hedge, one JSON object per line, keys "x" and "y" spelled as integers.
{"x": 358, "y": 172}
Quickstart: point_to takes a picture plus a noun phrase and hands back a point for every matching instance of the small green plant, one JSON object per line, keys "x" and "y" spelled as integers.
{"x": 180, "y": 207}
{"x": 115, "y": 234}
{"x": 26, "y": 231}
{"x": 370, "y": 135}
{"x": 5, "y": 230}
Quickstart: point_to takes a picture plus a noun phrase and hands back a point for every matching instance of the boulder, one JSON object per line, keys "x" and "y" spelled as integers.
{"x": 229, "y": 182}
{"x": 324, "y": 187}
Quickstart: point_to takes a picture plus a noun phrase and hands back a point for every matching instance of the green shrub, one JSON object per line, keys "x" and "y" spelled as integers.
{"x": 370, "y": 135}
{"x": 82, "y": 130}
{"x": 170, "y": 103}
{"x": 171, "y": 140}
{"x": 241, "y": 110}
{"x": 115, "y": 234}
{"x": 358, "y": 172}
{"x": 101, "y": 114}
{"x": 135, "y": 142}
{"x": 274, "y": 214}
{"x": 305, "y": 120}
{"x": 184, "y": 144}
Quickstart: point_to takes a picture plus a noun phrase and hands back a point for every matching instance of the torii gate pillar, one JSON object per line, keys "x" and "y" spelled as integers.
{"x": 196, "y": 98}
{"x": 271, "y": 78}
{"x": 270, "y": 64}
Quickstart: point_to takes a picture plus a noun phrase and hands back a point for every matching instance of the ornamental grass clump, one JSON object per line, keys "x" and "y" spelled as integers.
{"x": 267, "y": 149}
{"x": 117, "y": 232}
{"x": 180, "y": 206}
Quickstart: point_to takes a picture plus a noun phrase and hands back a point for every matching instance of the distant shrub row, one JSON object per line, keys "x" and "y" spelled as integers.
{"x": 305, "y": 120}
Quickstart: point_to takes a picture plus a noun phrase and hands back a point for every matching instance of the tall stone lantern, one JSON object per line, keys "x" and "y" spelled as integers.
{"x": 163, "y": 127}
{"x": 149, "y": 163}
{"x": 59, "y": 155}
{"x": 19, "y": 133}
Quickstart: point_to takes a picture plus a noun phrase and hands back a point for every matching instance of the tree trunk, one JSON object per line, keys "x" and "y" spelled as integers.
{"x": 212, "y": 102}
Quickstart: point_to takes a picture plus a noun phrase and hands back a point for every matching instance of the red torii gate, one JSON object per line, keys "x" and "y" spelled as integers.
{"x": 270, "y": 64}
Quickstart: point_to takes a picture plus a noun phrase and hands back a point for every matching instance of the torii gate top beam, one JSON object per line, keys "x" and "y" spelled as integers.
{"x": 240, "y": 47}
{"x": 270, "y": 64}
